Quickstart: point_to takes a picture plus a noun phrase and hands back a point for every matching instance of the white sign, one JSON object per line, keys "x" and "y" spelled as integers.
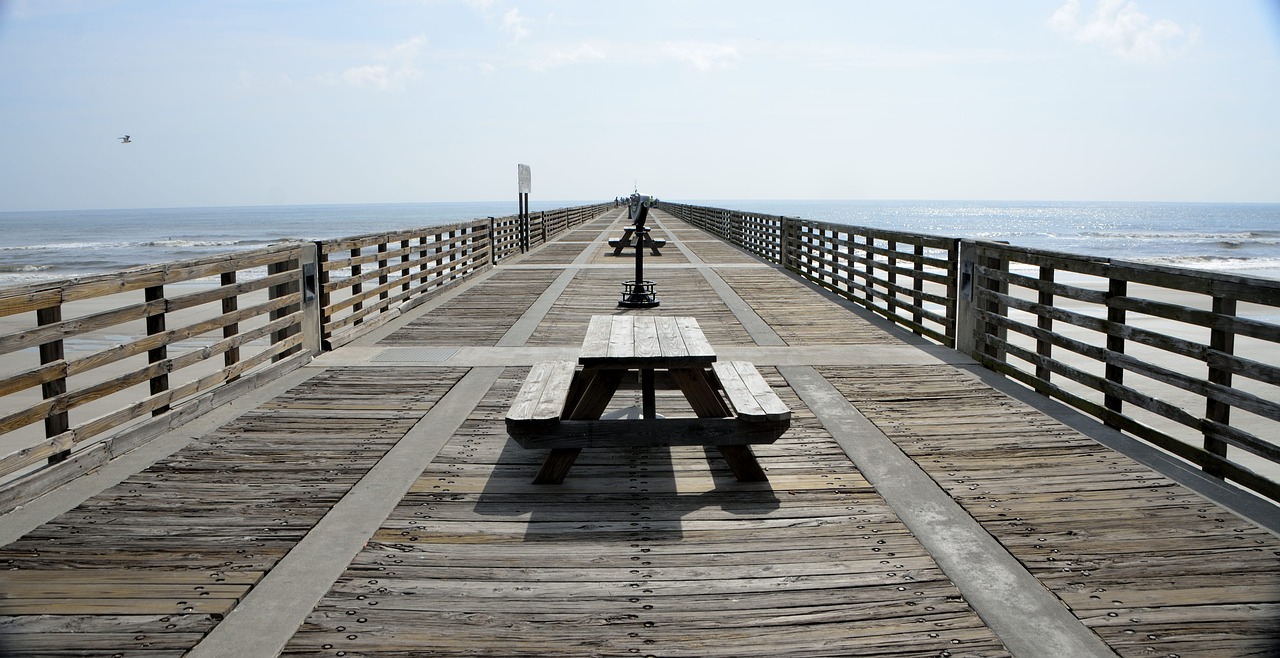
{"x": 523, "y": 171}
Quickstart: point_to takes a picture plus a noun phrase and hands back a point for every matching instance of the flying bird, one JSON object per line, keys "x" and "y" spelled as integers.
{"x": 125, "y": 140}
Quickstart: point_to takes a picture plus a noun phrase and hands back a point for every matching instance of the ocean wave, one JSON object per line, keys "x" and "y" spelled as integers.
{"x": 1216, "y": 263}
{"x": 1225, "y": 237}
{"x": 165, "y": 243}
{"x": 18, "y": 269}
{"x": 56, "y": 246}
{"x": 179, "y": 243}
{"x": 1266, "y": 267}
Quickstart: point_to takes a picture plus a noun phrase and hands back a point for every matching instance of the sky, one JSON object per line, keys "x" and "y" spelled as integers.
{"x": 264, "y": 102}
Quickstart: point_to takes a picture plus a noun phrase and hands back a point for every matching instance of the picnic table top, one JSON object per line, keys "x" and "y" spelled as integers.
{"x": 625, "y": 341}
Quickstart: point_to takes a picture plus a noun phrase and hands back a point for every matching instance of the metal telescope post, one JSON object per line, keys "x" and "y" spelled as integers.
{"x": 639, "y": 293}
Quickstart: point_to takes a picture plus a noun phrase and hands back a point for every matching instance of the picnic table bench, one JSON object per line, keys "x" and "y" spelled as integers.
{"x": 625, "y": 242}
{"x": 560, "y": 407}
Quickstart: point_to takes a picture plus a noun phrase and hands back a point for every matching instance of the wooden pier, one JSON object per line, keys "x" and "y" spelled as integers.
{"x": 370, "y": 502}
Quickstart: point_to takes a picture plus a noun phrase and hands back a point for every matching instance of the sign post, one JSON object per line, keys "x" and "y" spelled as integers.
{"x": 524, "y": 177}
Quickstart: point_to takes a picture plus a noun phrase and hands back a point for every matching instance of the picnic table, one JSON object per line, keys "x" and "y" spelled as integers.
{"x": 560, "y": 406}
{"x": 645, "y": 239}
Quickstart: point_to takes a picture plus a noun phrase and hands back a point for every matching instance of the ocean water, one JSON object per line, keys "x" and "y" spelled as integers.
{"x": 1221, "y": 237}
{"x": 49, "y": 245}
{"x": 1237, "y": 238}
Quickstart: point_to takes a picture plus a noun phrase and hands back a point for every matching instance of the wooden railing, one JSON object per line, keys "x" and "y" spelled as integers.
{"x": 505, "y": 237}
{"x": 105, "y": 363}
{"x": 127, "y": 355}
{"x": 1168, "y": 355}
{"x": 909, "y": 278}
{"x": 368, "y": 280}
{"x": 758, "y": 234}
{"x": 1074, "y": 328}
{"x": 547, "y": 224}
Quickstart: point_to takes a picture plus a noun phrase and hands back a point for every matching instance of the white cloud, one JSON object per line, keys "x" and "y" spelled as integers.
{"x": 702, "y": 56}
{"x": 394, "y": 69}
{"x": 568, "y": 55}
{"x": 515, "y": 24}
{"x": 1118, "y": 26}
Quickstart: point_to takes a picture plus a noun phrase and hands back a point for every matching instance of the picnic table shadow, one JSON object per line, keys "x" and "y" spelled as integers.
{"x": 617, "y": 494}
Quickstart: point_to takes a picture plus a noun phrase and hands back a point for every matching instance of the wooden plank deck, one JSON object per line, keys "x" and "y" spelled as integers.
{"x": 374, "y": 506}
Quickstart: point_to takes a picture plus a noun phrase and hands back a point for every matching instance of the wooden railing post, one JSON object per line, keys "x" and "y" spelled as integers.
{"x": 869, "y": 269}
{"x": 356, "y": 287}
{"x": 439, "y": 251}
{"x": 383, "y": 278}
{"x": 917, "y": 285}
{"x": 1044, "y": 346}
{"x": 787, "y": 250}
{"x": 230, "y": 304}
{"x": 891, "y": 301}
{"x": 971, "y": 329}
{"x": 493, "y": 251}
{"x": 953, "y": 293}
{"x": 966, "y": 311}
{"x": 1115, "y": 344}
{"x": 406, "y": 270}
{"x": 52, "y": 352}
{"x": 156, "y": 325}
{"x": 453, "y": 255}
{"x": 312, "y": 328}
{"x": 1221, "y": 340}
{"x": 322, "y": 288}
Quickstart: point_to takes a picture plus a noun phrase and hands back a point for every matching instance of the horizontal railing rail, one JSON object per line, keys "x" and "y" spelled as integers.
{"x": 96, "y": 366}
{"x": 1078, "y": 329}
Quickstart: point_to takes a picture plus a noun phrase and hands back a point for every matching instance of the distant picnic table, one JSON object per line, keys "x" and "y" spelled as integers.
{"x": 646, "y": 240}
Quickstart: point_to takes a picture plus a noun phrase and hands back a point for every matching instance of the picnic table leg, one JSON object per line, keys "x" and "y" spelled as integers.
{"x": 622, "y": 243}
{"x": 648, "y": 398}
{"x": 696, "y": 386}
{"x": 743, "y": 463}
{"x": 695, "y": 383}
{"x": 598, "y": 387}
{"x": 556, "y": 466}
